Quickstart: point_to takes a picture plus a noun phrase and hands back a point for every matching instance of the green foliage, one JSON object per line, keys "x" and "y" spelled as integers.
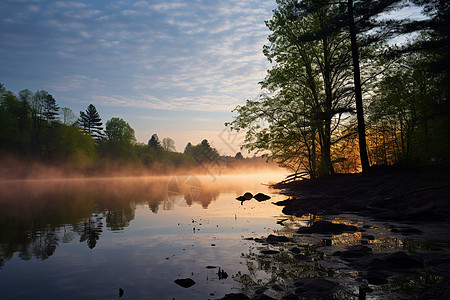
{"x": 408, "y": 115}
{"x": 73, "y": 147}
{"x": 120, "y": 140}
{"x": 307, "y": 101}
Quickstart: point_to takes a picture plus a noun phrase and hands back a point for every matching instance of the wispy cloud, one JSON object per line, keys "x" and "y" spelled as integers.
{"x": 181, "y": 55}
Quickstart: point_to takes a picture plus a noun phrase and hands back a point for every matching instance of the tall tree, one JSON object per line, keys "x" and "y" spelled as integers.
{"x": 120, "y": 140}
{"x": 154, "y": 142}
{"x": 37, "y": 113}
{"x": 91, "y": 122}
{"x": 362, "y": 20}
{"x": 307, "y": 91}
{"x": 50, "y": 113}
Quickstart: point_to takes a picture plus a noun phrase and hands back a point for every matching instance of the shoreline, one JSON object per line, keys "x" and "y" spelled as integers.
{"x": 381, "y": 234}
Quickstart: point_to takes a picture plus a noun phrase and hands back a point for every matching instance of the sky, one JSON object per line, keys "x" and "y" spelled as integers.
{"x": 175, "y": 68}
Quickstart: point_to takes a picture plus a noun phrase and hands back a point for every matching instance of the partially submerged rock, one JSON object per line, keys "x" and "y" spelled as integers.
{"x": 185, "y": 282}
{"x": 248, "y": 196}
{"x": 235, "y": 296}
{"x": 321, "y": 288}
{"x": 277, "y": 239}
{"x": 325, "y": 227}
{"x": 261, "y": 197}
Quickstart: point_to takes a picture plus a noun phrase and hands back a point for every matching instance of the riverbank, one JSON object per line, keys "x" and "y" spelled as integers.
{"x": 384, "y": 234}
{"x": 385, "y": 193}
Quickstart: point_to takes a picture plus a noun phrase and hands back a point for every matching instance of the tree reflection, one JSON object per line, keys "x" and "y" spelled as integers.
{"x": 90, "y": 230}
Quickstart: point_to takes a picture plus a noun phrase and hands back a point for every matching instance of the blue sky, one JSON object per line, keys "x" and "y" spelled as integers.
{"x": 175, "y": 68}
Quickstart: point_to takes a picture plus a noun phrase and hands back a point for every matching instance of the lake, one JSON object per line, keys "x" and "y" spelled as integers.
{"x": 88, "y": 238}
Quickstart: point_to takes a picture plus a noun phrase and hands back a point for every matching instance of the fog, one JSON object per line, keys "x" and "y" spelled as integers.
{"x": 12, "y": 168}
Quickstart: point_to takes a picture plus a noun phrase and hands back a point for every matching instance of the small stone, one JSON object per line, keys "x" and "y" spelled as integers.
{"x": 185, "y": 282}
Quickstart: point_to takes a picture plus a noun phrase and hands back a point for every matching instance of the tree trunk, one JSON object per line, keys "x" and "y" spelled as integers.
{"x": 358, "y": 93}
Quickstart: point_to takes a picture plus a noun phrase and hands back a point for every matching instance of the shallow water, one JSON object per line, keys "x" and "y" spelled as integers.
{"x": 86, "y": 238}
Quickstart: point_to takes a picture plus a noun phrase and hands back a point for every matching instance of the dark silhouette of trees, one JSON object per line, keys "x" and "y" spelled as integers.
{"x": 91, "y": 122}
{"x": 188, "y": 148}
{"x": 50, "y": 113}
{"x": 154, "y": 142}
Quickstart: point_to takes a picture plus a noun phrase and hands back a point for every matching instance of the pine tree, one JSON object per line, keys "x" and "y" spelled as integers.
{"x": 91, "y": 122}
{"x": 50, "y": 113}
{"x": 154, "y": 142}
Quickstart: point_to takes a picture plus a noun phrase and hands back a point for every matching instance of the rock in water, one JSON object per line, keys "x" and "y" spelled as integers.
{"x": 121, "y": 292}
{"x": 186, "y": 282}
{"x": 261, "y": 197}
{"x": 248, "y": 196}
{"x": 325, "y": 227}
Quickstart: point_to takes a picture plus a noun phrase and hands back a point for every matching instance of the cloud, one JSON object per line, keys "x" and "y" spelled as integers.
{"x": 183, "y": 55}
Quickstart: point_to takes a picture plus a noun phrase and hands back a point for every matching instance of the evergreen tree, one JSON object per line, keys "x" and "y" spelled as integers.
{"x": 50, "y": 113}
{"x": 90, "y": 122}
{"x": 50, "y": 109}
{"x": 188, "y": 148}
{"x": 154, "y": 142}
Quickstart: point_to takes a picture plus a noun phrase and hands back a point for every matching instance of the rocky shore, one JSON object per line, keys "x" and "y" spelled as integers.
{"x": 383, "y": 234}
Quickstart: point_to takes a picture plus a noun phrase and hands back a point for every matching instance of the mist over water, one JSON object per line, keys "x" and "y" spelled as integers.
{"x": 86, "y": 238}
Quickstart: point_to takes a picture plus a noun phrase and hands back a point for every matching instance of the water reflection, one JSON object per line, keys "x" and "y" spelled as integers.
{"x": 86, "y": 238}
{"x": 278, "y": 266}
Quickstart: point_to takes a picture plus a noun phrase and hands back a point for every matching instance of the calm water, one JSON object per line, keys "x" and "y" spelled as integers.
{"x": 85, "y": 239}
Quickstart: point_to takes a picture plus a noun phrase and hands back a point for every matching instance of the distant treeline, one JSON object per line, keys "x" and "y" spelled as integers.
{"x": 340, "y": 96}
{"x": 34, "y": 130}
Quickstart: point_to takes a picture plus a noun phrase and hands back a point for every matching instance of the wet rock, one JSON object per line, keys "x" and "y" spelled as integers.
{"x": 296, "y": 250}
{"x": 380, "y": 266}
{"x": 315, "y": 288}
{"x": 290, "y": 297}
{"x": 394, "y": 262}
{"x": 261, "y": 290}
{"x": 248, "y": 196}
{"x": 277, "y": 239}
{"x": 368, "y": 237}
{"x": 121, "y": 292}
{"x": 185, "y": 282}
{"x": 405, "y": 230}
{"x": 235, "y": 296}
{"x": 438, "y": 291}
{"x": 270, "y": 251}
{"x": 211, "y": 267}
{"x": 302, "y": 257}
{"x": 376, "y": 277}
{"x": 262, "y": 297}
{"x": 325, "y": 227}
{"x": 355, "y": 252}
{"x": 261, "y": 197}
{"x": 277, "y": 288}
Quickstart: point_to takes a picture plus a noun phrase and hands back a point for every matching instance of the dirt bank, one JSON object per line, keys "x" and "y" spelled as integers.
{"x": 387, "y": 193}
